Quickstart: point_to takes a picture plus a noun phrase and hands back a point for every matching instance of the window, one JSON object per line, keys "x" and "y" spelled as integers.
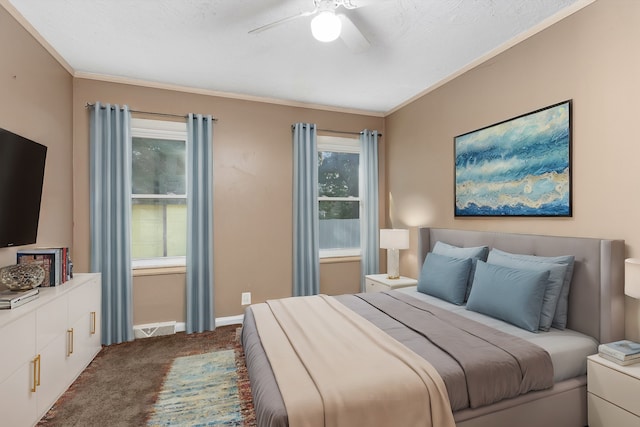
{"x": 339, "y": 196}
{"x": 159, "y": 193}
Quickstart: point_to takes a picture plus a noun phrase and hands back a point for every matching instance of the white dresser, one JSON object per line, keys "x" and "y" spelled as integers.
{"x": 44, "y": 345}
{"x": 613, "y": 397}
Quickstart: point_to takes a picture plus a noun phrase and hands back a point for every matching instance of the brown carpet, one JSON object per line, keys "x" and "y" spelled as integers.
{"x": 120, "y": 386}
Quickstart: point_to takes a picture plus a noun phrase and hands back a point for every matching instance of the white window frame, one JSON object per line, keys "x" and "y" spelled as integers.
{"x": 159, "y": 129}
{"x": 342, "y": 145}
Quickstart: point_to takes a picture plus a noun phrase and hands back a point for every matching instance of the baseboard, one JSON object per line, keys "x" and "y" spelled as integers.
{"x": 154, "y": 329}
{"x": 220, "y": 321}
{"x": 143, "y": 331}
{"x": 230, "y": 320}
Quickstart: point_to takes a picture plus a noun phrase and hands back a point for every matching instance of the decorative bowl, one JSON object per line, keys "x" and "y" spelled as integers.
{"x": 21, "y": 277}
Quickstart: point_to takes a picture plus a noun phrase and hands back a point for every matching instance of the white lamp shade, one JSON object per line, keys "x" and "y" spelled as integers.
{"x": 326, "y": 26}
{"x": 632, "y": 277}
{"x": 394, "y": 238}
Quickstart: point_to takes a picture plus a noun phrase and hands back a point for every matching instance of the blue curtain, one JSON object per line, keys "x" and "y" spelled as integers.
{"x": 200, "y": 302}
{"x": 306, "y": 259}
{"x": 369, "y": 233}
{"x": 110, "y": 199}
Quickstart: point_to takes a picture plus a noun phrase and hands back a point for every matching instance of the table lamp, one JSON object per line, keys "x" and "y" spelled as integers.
{"x": 393, "y": 240}
{"x": 632, "y": 277}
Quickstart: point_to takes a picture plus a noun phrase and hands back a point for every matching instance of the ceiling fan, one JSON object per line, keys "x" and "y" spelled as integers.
{"x": 327, "y": 25}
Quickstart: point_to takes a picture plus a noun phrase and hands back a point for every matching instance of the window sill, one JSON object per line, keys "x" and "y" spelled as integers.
{"x": 161, "y": 262}
{"x": 335, "y": 260}
{"x": 157, "y": 271}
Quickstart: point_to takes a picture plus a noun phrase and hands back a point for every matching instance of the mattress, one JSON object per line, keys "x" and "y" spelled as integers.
{"x": 568, "y": 349}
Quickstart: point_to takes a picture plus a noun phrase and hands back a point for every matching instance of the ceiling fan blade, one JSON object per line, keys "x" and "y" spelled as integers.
{"x": 351, "y": 35}
{"x": 282, "y": 21}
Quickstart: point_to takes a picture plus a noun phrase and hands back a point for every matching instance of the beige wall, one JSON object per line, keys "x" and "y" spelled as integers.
{"x": 159, "y": 298}
{"x": 590, "y": 57}
{"x": 253, "y": 161}
{"x": 252, "y": 195}
{"x": 341, "y": 277}
{"x": 35, "y": 102}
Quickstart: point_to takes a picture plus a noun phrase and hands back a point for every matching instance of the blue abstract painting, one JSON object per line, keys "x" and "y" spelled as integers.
{"x": 519, "y": 167}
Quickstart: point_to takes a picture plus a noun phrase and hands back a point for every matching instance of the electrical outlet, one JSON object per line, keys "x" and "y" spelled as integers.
{"x": 246, "y": 298}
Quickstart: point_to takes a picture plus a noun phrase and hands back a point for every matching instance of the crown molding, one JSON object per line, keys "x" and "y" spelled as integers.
{"x": 209, "y": 92}
{"x": 200, "y": 91}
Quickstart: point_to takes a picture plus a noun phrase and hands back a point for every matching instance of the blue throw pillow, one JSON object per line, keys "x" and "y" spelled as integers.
{"x": 554, "y": 284}
{"x": 510, "y": 294}
{"x": 562, "y": 308}
{"x": 445, "y": 277}
{"x": 475, "y": 253}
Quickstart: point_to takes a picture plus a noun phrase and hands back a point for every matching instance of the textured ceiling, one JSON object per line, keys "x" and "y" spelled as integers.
{"x": 205, "y": 44}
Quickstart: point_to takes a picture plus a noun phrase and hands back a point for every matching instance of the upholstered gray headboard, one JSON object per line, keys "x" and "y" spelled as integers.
{"x": 596, "y": 299}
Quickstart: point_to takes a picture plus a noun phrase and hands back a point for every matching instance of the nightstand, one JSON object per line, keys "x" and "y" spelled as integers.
{"x": 380, "y": 282}
{"x": 613, "y": 391}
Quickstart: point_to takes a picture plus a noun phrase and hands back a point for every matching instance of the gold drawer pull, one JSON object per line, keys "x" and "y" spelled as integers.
{"x": 93, "y": 323}
{"x": 70, "y": 345}
{"x": 36, "y": 373}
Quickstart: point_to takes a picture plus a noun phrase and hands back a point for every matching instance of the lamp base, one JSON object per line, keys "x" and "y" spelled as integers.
{"x": 393, "y": 264}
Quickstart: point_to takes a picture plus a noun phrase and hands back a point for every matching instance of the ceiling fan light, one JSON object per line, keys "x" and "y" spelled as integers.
{"x": 326, "y": 26}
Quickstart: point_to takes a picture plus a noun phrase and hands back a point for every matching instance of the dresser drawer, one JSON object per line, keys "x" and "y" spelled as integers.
{"x": 605, "y": 414}
{"x": 375, "y": 286}
{"x": 613, "y": 386}
{"x": 18, "y": 344}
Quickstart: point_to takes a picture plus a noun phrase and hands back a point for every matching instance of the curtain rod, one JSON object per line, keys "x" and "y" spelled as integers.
{"x": 150, "y": 112}
{"x": 340, "y": 131}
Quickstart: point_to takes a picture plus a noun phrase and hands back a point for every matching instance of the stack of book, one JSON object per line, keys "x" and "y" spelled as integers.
{"x": 56, "y": 263}
{"x": 13, "y": 299}
{"x": 622, "y": 352}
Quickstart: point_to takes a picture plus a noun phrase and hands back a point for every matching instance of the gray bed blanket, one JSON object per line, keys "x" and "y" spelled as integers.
{"x": 467, "y": 355}
{"x": 478, "y": 364}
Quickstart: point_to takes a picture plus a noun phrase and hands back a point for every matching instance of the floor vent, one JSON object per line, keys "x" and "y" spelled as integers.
{"x": 154, "y": 329}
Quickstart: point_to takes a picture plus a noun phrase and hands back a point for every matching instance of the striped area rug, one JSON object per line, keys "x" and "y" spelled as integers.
{"x": 200, "y": 390}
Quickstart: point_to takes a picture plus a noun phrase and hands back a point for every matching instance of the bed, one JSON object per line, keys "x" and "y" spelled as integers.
{"x": 595, "y": 314}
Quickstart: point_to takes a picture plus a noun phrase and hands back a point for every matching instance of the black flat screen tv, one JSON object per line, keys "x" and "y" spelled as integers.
{"x": 22, "y": 163}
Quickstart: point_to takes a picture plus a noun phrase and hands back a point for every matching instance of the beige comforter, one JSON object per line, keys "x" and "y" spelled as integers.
{"x": 335, "y": 368}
